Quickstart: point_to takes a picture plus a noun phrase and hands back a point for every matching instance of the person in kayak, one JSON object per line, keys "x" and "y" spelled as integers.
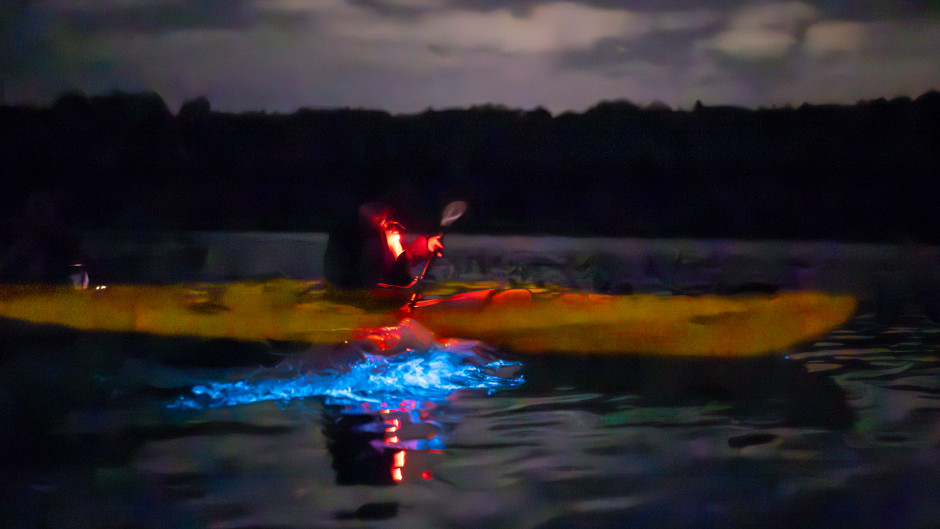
{"x": 372, "y": 251}
{"x": 40, "y": 248}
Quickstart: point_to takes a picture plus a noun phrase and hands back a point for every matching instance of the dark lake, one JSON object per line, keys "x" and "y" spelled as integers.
{"x": 116, "y": 430}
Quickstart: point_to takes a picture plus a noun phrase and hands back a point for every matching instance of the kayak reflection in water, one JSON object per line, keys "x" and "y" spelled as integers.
{"x": 374, "y": 252}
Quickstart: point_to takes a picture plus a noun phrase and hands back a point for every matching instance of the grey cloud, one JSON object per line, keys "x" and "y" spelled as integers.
{"x": 152, "y": 16}
{"x": 843, "y": 63}
{"x": 607, "y": 55}
{"x": 56, "y": 45}
{"x": 25, "y": 65}
{"x": 862, "y": 10}
{"x": 398, "y": 8}
{"x": 817, "y": 59}
{"x": 835, "y": 37}
{"x": 872, "y": 10}
{"x": 283, "y": 54}
{"x": 632, "y": 5}
{"x": 670, "y": 43}
{"x": 762, "y": 32}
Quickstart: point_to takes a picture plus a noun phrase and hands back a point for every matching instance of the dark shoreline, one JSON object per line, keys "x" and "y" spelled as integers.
{"x": 868, "y": 172}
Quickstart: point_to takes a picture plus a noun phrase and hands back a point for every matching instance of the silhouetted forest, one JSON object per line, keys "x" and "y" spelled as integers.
{"x": 123, "y": 161}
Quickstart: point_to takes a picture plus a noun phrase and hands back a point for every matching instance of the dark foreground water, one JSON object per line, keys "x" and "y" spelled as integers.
{"x": 104, "y": 430}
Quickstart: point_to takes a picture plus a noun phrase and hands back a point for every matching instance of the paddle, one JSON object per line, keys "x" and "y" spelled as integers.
{"x": 451, "y": 213}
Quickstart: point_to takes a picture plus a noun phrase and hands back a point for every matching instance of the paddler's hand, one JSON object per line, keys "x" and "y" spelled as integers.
{"x": 436, "y": 245}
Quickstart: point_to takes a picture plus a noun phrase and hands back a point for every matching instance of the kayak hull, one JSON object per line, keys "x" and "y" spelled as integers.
{"x": 648, "y": 324}
{"x": 519, "y": 320}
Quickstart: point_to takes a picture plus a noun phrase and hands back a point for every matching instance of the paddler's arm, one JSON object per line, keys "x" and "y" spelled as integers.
{"x": 422, "y": 248}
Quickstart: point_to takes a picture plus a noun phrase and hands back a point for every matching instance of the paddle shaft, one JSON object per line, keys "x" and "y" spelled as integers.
{"x": 451, "y": 213}
{"x": 416, "y": 295}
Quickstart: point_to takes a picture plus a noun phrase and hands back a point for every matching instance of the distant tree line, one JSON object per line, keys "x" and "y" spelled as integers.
{"x": 123, "y": 161}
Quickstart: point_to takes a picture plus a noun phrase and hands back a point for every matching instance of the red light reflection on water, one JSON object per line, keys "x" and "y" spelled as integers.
{"x": 408, "y": 334}
{"x": 398, "y": 463}
{"x": 408, "y": 414}
{"x": 409, "y": 425}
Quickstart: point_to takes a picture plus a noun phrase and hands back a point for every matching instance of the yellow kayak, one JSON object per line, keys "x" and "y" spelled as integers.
{"x": 524, "y": 321}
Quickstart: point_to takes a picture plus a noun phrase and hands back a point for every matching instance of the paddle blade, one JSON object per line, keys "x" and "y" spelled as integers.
{"x": 452, "y": 212}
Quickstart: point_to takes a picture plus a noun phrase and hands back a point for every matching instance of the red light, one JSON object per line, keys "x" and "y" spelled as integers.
{"x": 427, "y": 474}
{"x": 398, "y": 462}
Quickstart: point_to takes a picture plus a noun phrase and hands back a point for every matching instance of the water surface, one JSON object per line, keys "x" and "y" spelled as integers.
{"x": 843, "y": 432}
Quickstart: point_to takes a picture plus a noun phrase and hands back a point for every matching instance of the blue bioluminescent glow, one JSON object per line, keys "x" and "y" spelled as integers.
{"x": 430, "y": 374}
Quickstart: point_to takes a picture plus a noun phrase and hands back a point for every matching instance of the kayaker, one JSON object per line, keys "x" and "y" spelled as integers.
{"x": 372, "y": 250}
{"x": 41, "y": 249}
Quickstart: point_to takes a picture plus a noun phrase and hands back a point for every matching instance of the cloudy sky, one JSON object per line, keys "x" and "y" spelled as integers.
{"x": 408, "y": 55}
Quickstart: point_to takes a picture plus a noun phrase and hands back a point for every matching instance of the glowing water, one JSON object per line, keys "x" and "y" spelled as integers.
{"x": 430, "y": 374}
